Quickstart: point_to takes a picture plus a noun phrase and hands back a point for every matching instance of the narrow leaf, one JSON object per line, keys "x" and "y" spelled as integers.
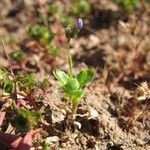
{"x": 8, "y": 87}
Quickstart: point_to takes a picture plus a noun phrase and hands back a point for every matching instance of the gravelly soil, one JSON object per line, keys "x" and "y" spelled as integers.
{"x": 121, "y": 60}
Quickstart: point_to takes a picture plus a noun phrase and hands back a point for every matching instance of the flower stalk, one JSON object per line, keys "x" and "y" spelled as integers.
{"x": 69, "y": 59}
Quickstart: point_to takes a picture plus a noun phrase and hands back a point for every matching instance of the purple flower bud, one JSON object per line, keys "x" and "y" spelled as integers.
{"x": 79, "y": 23}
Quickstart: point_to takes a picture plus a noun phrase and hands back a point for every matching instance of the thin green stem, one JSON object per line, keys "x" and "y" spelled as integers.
{"x": 69, "y": 59}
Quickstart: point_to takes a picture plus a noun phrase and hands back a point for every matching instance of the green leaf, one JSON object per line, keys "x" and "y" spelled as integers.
{"x": 85, "y": 76}
{"x": 75, "y": 96}
{"x": 90, "y": 76}
{"x": 61, "y": 76}
{"x": 41, "y": 33}
{"x": 20, "y": 123}
{"x": 82, "y": 76}
{"x": 3, "y": 72}
{"x": 66, "y": 20}
{"x": 25, "y": 119}
{"x": 80, "y": 8}
{"x": 52, "y": 50}
{"x": 44, "y": 84}
{"x": 128, "y": 5}
{"x": 53, "y": 8}
{"x": 71, "y": 85}
{"x": 8, "y": 87}
{"x": 26, "y": 81}
{"x": 46, "y": 146}
{"x": 17, "y": 55}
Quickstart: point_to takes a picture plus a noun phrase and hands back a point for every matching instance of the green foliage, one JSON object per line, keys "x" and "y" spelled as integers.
{"x": 26, "y": 82}
{"x": 52, "y": 9}
{"x": 44, "y": 84}
{"x": 66, "y": 20}
{"x": 6, "y": 82}
{"x": 53, "y": 50}
{"x": 80, "y": 8}
{"x": 17, "y": 55}
{"x": 45, "y": 37}
{"x": 7, "y": 87}
{"x": 25, "y": 119}
{"x": 127, "y": 4}
{"x": 41, "y": 33}
{"x": 85, "y": 76}
{"x": 3, "y": 73}
{"x": 73, "y": 87}
{"x": 46, "y": 146}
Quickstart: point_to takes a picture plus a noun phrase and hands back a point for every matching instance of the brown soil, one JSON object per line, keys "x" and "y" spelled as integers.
{"x": 119, "y": 53}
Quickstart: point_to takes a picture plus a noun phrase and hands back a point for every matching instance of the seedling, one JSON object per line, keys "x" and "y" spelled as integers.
{"x": 41, "y": 33}
{"x": 17, "y": 55}
{"x": 80, "y": 8}
{"x": 25, "y": 119}
{"x": 66, "y": 19}
{"x": 6, "y": 82}
{"x": 73, "y": 85}
{"x": 52, "y": 9}
{"x": 12, "y": 85}
{"x": 45, "y": 37}
{"x": 26, "y": 82}
{"x": 127, "y": 4}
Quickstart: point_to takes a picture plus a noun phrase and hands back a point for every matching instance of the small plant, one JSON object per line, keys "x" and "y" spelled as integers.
{"x": 45, "y": 37}
{"x": 65, "y": 19}
{"x": 41, "y": 33}
{"x": 127, "y": 4}
{"x": 6, "y": 82}
{"x": 80, "y": 8}
{"x": 73, "y": 86}
{"x": 52, "y": 9}
{"x": 17, "y": 55}
{"x": 11, "y": 85}
{"x": 25, "y": 119}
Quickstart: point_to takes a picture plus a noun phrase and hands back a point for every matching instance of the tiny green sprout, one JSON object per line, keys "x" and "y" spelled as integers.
{"x": 45, "y": 37}
{"x": 23, "y": 82}
{"x": 73, "y": 85}
{"x": 53, "y": 8}
{"x": 53, "y": 50}
{"x": 44, "y": 85}
{"x": 80, "y": 8}
{"x": 26, "y": 82}
{"x": 41, "y": 33}
{"x": 128, "y": 5}
{"x": 17, "y": 55}
{"x": 65, "y": 19}
{"x": 46, "y": 146}
{"x": 25, "y": 119}
{"x": 6, "y": 82}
